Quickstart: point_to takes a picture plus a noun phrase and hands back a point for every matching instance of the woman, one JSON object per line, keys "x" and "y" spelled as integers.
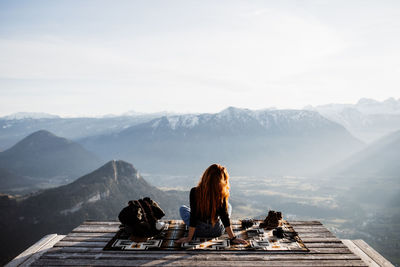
{"x": 208, "y": 201}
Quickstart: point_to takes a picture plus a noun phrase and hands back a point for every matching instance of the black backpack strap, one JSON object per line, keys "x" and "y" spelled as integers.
{"x": 150, "y": 209}
{"x": 144, "y": 211}
{"x": 155, "y": 208}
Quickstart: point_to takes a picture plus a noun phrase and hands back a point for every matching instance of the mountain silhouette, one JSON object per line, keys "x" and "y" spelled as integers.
{"x": 44, "y": 155}
{"x": 380, "y": 159}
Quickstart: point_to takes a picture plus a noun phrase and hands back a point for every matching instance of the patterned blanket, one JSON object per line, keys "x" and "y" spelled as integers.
{"x": 259, "y": 239}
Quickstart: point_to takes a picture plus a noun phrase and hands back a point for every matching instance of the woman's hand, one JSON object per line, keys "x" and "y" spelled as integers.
{"x": 239, "y": 241}
{"x": 183, "y": 240}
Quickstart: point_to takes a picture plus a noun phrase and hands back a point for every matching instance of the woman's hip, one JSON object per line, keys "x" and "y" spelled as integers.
{"x": 204, "y": 229}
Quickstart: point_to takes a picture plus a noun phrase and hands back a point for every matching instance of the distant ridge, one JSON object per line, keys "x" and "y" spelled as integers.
{"x": 14, "y": 128}
{"x": 45, "y": 155}
{"x": 29, "y": 115}
{"x": 380, "y": 159}
{"x": 368, "y": 119}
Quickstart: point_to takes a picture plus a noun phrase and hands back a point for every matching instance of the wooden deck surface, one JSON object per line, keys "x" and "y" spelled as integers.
{"x": 84, "y": 247}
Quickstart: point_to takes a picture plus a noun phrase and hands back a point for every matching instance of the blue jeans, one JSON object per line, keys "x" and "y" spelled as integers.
{"x": 204, "y": 229}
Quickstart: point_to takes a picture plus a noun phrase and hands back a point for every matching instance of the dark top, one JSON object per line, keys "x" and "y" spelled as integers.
{"x": 195, "y": 218}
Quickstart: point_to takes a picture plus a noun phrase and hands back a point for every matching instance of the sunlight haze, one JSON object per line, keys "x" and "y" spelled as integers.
{"x": 109, "y": 57}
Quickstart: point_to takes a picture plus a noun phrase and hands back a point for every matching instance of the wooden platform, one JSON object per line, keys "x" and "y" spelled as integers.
{"x": 84, "y": 247}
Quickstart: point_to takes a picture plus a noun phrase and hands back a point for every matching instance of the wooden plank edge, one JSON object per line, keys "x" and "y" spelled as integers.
{"x": 191, "y": 256}
{"x": 27, "y": 253}
{"x": 372, "y": 253}
{"x": 357, "y": 251}
{"x": 42, "y": 251}
{"x": 183, "y": 262}
{"x": 313, "y": 251}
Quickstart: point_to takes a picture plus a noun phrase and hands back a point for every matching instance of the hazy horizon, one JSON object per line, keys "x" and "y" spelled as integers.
{"x": 102, "y": 57}
{"x": 174, "y": 112}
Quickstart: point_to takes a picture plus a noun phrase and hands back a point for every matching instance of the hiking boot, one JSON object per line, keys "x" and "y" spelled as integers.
{"x": 247, "y": 223}
{"x": 271, "y": 221}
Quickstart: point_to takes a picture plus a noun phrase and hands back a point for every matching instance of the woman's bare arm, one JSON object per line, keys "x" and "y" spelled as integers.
{"x": 229, "y": 231}
{"x": 189, "y": 237}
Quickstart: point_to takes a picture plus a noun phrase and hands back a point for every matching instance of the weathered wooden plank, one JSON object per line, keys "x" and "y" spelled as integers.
{"x": 310, "y": 228}
{"x": 96, "y": 229}
{"x": 312, "y": 241}
{"x": 372, "y": 253}
{"x": 325, "y": 245}
{"x": 305, "y": 223}
{"x": 77, "y": 249}
{"x": 357, "y": 251}
{"x": 320, "y": 240}
{"x": 89, "y": 222}
{"x": 308, "y": 225}
{"x": 96, "y": 247}
{"x": 65, "y": 243}
{"x": 26, "y": 254}
{"x": 86, "y": 238}
{"x": 81, "y": 244}
{"x": 198, "y": 256}
{"x": 317, "y": 235}
{"x": 84, "y": 234}
{"x": 330, "y": 250}
{"x": 184, "y": 262}
{"x": 42, "y": 251}
{"x": 320, "y": 230}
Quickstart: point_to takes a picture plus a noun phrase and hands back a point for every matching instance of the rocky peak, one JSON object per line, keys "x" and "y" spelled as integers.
{"x": 113, "y": 171}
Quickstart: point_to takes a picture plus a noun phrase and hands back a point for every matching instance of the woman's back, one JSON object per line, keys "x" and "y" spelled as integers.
{"x": 208, "y": 201}
{"x": 196, "y": 216}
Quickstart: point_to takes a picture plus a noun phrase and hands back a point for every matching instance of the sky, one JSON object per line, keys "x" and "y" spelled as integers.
{"x": 74, "y": 58}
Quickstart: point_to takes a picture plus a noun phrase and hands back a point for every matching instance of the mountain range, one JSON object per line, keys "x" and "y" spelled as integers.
{"x": 368, "y": 119}
{"x": 44, "y": 156}
{"x": 379, "y": 159}
{"x": 247, "y": 141}
{"x": 16, "y": 126}
{"x": 99, "y": 195}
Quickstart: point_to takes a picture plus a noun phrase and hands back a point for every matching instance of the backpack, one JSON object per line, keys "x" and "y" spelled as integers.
{"x": 141, "y": 216}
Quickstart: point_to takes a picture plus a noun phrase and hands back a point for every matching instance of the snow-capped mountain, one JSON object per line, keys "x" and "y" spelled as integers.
{"x": 232, "y": 118}
{"x": 368, "y": 120}
{"x": 29, "y": 115}
{"x": 370, "y": 106}
{"x": 263, "y": 140}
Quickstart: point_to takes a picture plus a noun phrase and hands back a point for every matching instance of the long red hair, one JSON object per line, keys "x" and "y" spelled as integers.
{"x": 212, "y": 191}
